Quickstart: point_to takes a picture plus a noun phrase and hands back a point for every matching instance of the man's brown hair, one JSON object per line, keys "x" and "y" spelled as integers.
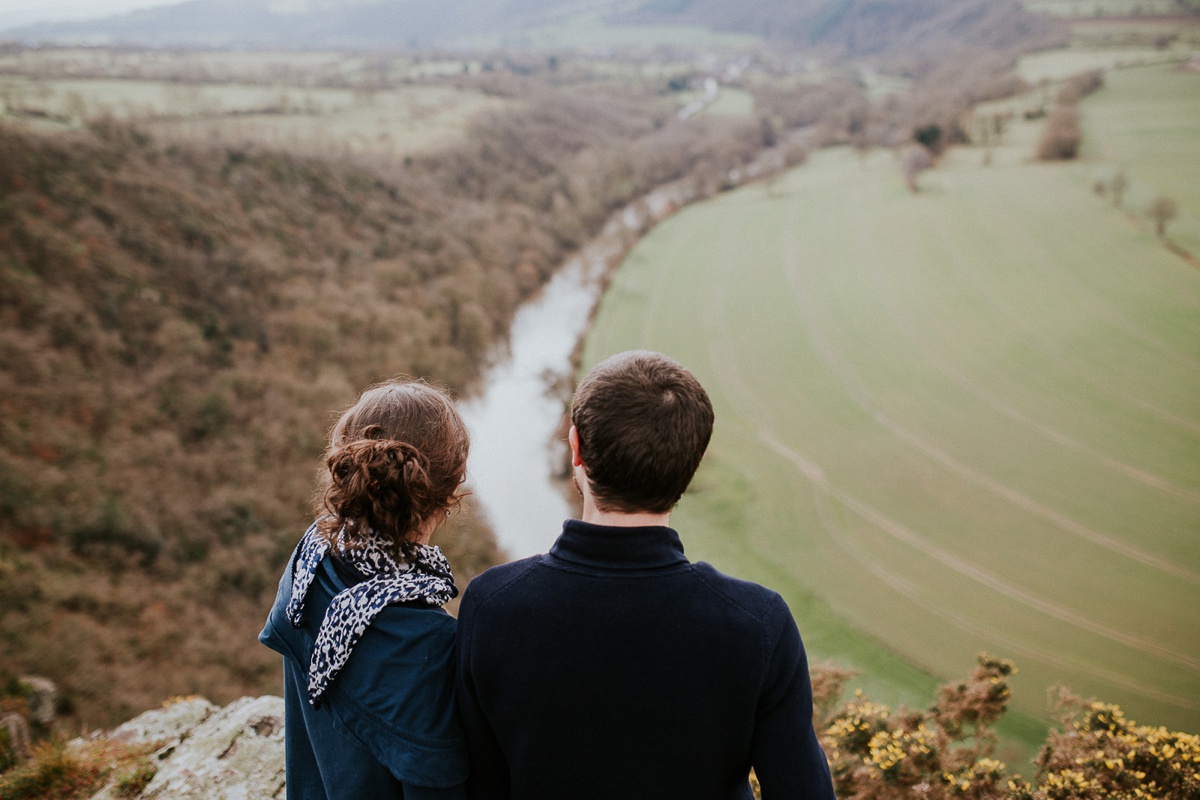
{"x": 644, "y": 422}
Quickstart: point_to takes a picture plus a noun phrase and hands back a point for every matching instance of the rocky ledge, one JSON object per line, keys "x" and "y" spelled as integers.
{"x": 203, "y": 751}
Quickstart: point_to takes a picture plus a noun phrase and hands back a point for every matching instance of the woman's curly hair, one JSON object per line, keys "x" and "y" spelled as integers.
{"x": 396, "y": 459}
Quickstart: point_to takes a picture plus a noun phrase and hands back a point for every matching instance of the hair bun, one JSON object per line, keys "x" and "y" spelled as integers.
{"x": 384, "y": 480}
{"x": 396, "y": 459}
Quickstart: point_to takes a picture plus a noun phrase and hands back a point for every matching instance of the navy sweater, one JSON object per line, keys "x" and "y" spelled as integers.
{"x": 612, "y": 667}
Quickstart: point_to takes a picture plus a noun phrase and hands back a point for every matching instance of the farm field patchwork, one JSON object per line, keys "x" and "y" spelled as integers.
{"x": 963, "y": 420}
{"x": 312, "y": 103}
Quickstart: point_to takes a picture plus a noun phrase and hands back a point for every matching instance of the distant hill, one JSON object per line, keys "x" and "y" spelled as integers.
{"x": 869, "y": 27}
{"x": 855, "y": 27}
{"x": 300, "y": 23}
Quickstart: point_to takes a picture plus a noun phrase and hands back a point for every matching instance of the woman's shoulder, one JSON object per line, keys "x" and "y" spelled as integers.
{"x": 408, "y": 620}
{"x": 417, "y": 638}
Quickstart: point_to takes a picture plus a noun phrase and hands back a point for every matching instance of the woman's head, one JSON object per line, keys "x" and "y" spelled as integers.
{"x": 395, "y": 461}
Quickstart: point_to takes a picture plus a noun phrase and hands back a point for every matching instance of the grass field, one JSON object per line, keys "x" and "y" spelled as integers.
{"x": 1058, "y": 65}
{"x": 1148, "y": 121}
{"x": 963, "y": 420}
{"x": 388, "y": 122}
{"x": 732, "y": 103}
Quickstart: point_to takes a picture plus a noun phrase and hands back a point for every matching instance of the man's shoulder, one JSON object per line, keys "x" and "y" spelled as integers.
{"x": 755, "y": 598}
{"x": 495, "y": 580}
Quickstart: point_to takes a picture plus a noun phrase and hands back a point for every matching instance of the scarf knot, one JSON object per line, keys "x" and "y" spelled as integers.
{"x": 426, "y": 578}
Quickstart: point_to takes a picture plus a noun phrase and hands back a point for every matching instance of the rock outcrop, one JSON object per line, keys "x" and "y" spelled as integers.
{"x": 206, "y": 752}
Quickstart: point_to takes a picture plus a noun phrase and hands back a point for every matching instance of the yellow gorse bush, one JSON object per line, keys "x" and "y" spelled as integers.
{"x": 944, "y": 752}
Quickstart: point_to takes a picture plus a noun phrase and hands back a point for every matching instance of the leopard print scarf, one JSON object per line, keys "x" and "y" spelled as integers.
{"x": 426, "y": 578}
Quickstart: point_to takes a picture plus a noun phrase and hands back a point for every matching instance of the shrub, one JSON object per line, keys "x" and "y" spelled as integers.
{"x": 1162, "y": 211}
{"x": 944, "y": 752}
{"x": 1099, "y": 754}
{"x": 51, "y": 772}
{"x": 62, "y": 771}
{"x": 1061, "y": 136}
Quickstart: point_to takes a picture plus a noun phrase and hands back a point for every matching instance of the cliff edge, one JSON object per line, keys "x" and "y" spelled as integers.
{"x": 202, "y": 751}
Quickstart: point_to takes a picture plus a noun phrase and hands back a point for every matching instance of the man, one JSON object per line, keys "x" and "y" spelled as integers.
{"x": 613, "y": 668}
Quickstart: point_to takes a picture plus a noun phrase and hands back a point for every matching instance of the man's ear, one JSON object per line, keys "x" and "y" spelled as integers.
{"x": 573, "y": 438}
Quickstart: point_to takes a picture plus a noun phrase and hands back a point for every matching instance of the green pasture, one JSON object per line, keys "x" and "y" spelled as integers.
{"x": 1058, "y": 65}
{"x": 1179, "y": 33}
{"x": 962, "y": 420}
{"x": 1147, "y": 121}
{"x": 389, "y": 122}
{"x": 731, "y": 103}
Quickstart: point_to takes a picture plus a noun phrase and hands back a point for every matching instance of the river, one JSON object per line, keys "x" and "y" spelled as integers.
{"x": 514, "y": 421}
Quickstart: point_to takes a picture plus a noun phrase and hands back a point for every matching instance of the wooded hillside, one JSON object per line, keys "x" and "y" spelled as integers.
{"x": 181, "y": 325}
{"x": 904, "y": 29}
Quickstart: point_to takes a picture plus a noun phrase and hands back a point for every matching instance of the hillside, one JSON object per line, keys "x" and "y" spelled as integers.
{"x": 910, "y": 28}
{"x": 180, "y": 322}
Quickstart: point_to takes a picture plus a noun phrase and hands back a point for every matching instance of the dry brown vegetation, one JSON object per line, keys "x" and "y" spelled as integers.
{"x": 181, "y": 322}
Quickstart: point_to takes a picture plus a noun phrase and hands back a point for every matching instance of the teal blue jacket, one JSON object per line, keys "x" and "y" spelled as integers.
{"x": 387, "y": 727}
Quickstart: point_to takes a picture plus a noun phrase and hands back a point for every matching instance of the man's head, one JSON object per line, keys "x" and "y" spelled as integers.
{"x": 643, "y": 423}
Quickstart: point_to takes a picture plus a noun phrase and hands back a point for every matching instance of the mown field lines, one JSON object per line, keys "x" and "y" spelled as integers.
{"x": 967, "y": 419}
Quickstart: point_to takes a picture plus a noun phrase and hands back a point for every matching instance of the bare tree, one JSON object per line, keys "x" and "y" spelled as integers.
{"x": 1119, "y": 184}
{"x": 913, "y": 161}
{"x": 1163, "y": 210}
{"x": 1061, "y": 136}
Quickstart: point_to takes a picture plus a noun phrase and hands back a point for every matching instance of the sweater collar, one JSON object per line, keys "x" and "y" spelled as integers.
{"x": 614, "y": 547}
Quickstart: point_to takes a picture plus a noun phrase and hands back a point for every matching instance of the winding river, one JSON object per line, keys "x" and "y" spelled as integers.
{"x": 515, "y": 419}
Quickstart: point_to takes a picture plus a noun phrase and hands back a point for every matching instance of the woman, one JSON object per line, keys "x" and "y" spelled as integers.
{"x": 367, "y": 648}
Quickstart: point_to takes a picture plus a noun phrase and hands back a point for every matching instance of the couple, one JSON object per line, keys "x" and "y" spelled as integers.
{"x": 609, "y": 668}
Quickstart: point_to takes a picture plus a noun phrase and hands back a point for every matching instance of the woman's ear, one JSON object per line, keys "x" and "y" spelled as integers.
{"x": 573, "y": 438}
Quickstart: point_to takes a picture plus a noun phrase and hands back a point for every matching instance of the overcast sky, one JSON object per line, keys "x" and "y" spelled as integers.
{"x": 23, "y": 12}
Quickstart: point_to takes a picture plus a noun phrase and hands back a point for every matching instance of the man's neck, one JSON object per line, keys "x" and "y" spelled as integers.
{"x": 621, "y": 519}
{"x": 595, "y": 515}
